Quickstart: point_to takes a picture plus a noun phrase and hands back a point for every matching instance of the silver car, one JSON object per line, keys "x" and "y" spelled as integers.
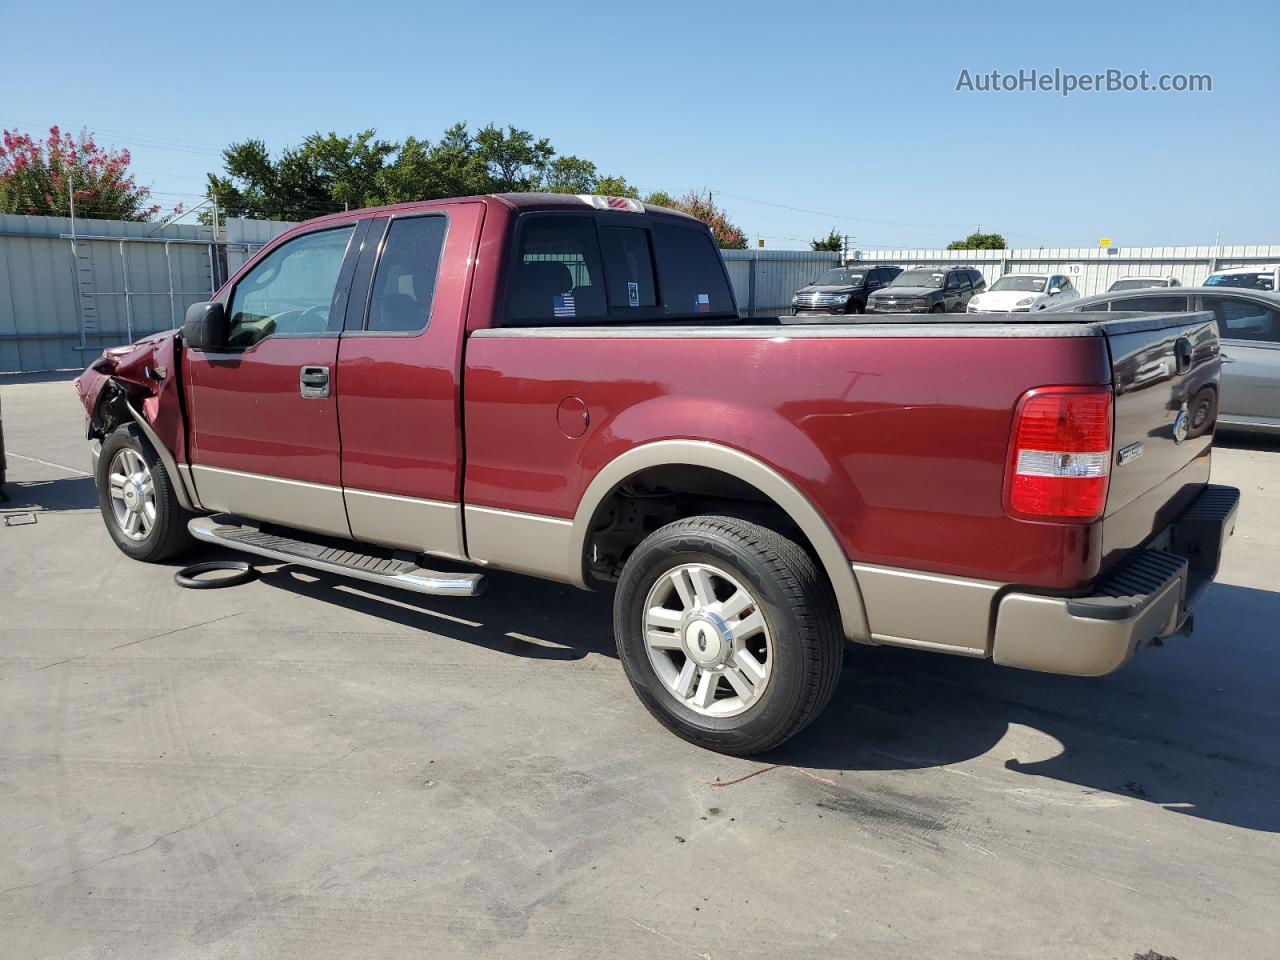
{"x": 1249, "y": 328}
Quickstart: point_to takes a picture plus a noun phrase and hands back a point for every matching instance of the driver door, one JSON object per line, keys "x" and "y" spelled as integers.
{"x": 263, "y": 412}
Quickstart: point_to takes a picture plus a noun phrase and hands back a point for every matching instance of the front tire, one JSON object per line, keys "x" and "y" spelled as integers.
{"x": 135, "y": 495}
{"x": 728, "y": 632}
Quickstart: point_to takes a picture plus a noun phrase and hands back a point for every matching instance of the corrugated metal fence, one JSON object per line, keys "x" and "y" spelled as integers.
{"x": 1092, "y": 269}
{"x": 62, "y": 300}
{"x": 64, "y": 296}
{"x": 764, "y": 280}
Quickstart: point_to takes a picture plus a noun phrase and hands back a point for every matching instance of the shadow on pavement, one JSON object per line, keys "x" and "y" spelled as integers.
{"x": 48, "y": 496}
{"x": 515, "y": 617}
{"x": 1244, "y": 440}
{"x": 1191, "y": 727}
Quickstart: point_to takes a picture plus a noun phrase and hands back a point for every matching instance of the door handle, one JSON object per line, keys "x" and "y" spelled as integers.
{"x": 313, "y": 382}
{"x": 1226, "y": 359}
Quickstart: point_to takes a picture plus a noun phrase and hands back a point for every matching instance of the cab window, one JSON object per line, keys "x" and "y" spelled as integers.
{"x": 290, "y": 292}
{"x": 1151, "y": 304}
{"x": 405, "y": 282}
{"x": 1244, "y": 319}
{"x": 557, "y": 273}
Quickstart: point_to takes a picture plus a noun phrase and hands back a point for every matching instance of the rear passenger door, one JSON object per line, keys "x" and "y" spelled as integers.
{"x": 1250, "y": 335}
{"x": 399, "y": 396}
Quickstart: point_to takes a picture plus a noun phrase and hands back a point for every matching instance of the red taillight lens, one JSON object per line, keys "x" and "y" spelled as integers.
{"x": 1060, "y": 460}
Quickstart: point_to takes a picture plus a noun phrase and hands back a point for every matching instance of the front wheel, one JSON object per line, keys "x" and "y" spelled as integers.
{"x": 135, "y": 495}
{"x": 728, "y": 633}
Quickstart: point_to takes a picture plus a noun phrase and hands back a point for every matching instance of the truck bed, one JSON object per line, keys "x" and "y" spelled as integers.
{"x": 897, "y": 429}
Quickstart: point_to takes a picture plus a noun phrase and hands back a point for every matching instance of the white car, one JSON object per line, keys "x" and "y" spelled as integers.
{"x": 1142, "y": 283}
{"x": 1024, "y": 292}
{"x": 1261, "y": 277}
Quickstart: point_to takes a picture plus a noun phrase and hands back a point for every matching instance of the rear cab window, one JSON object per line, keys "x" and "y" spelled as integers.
{"x": 612, "y": 267}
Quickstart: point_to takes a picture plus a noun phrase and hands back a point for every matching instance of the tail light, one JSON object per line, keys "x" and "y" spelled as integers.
{"x": 1060, "y": 458}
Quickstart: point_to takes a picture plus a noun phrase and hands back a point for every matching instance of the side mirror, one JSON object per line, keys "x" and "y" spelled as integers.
{"x": 206, "y": 326}
{"x": 1054, "y": 291}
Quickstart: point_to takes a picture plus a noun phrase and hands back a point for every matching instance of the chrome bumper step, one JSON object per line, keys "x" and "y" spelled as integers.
{"x": 403, "y": 574}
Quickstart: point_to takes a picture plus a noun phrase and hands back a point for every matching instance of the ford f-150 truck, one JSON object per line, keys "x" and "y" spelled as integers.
{"x": 562, "y": 386}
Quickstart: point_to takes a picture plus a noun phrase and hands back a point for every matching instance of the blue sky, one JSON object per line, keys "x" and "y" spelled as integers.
{"x": 846, "y": 109}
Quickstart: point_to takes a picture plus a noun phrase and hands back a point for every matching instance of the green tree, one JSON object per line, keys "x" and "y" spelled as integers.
{"x": 616, "y": 187}
{"x": 660, "y": 198}
{"x": 728, "y": 235}
{"x": 37, "y": 177}
{"x": 571, "y": 175}
{"x": 979, "y": 241}
{"x": 832, "y": 241}
{"x": 513, "y": 159}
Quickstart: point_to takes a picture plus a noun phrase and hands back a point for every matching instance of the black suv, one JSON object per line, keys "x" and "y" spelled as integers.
{"x": 945, "y": 289}
{"x": 842, "y": 289}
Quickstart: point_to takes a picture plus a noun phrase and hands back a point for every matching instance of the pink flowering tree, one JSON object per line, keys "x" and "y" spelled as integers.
{"x": 38, "y": 176}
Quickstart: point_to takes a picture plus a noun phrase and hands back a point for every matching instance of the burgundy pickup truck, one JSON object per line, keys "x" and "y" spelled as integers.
{"x": 561, "y": 386}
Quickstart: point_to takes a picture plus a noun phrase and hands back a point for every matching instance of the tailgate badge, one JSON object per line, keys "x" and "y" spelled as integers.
{"x": 1128, "y": 454}
{"x": 1181, "y": 425}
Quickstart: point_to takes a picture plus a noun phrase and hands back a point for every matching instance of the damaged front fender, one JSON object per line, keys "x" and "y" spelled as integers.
{"x": 140, "y": 383}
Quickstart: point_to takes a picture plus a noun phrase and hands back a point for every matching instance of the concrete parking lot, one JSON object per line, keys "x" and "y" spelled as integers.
{"x": 309, "y": 767}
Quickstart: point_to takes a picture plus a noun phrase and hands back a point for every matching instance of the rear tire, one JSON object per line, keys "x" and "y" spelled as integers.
{"x": 728, "y": 632}
{"x": 139, "y": 507}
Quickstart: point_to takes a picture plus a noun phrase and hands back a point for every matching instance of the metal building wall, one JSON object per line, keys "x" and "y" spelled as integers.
{"x": 61, "y": 305}
{"x": 1099, "y": 267}
{"x": 764, "y": 280}
{"x": 245, "y": 237}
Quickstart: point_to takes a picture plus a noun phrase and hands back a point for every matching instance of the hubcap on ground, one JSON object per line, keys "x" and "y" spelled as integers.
{"x": 133, "y": 494}
{"x": 707, "y": 640}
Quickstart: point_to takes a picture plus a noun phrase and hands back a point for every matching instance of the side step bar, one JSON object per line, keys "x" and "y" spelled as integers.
{"x": 394, "y": 573}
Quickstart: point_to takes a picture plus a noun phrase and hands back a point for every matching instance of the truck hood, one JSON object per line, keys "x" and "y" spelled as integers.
{"x": 905, "y": 292}
{"x": 828, "y": 288}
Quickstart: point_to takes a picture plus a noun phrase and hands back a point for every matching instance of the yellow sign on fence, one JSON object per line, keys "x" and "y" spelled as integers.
{"x": 1104, "y": 241}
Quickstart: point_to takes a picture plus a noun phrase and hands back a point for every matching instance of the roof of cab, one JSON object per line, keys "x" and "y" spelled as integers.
{"x": 517, "y": 201}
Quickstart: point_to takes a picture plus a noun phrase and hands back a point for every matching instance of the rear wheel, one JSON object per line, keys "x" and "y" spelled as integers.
{"x": 728, "y": 633}
{"x": 136, "y": 497}
{"x": 1202, "y": 411}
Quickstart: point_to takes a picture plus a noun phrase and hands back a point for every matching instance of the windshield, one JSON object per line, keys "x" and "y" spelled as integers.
{"x": 919, "y": 278}
{"x": 1253, "y": 281}
{"x": 1137, "y": 283}
{"x": 1025, "y": 284}
{"x": 840, "y": 277}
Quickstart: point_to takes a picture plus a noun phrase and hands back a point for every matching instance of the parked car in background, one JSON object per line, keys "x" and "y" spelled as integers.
{"x": 561, "y": 386}
{"x": 1142, "y": 283}
{"x": 1024, "y": 292}
{"x": 1251, "y": 278}
{"x": 1249, "y": 331}
{"x": 945, "y": 289}
{"x": 842, "y": 289}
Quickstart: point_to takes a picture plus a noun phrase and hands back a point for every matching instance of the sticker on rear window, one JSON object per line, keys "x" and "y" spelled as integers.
{"x": 562, "y": 305}
{"x": 702, "y": 303}
{"x": 633, "y": 294}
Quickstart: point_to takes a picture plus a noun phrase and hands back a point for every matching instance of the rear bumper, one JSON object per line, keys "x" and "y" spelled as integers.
{"x": 1150, "y": 597}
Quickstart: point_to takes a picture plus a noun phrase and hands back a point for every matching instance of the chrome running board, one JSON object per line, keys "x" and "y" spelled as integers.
{"x": 404, "y": 574}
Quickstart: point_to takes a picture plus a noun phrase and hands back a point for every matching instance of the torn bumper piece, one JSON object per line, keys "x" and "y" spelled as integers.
{"x": 1148, "y": 598}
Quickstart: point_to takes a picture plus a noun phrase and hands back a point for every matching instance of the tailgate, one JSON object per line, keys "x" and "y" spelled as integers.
{"x": 1165, "y": 368}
